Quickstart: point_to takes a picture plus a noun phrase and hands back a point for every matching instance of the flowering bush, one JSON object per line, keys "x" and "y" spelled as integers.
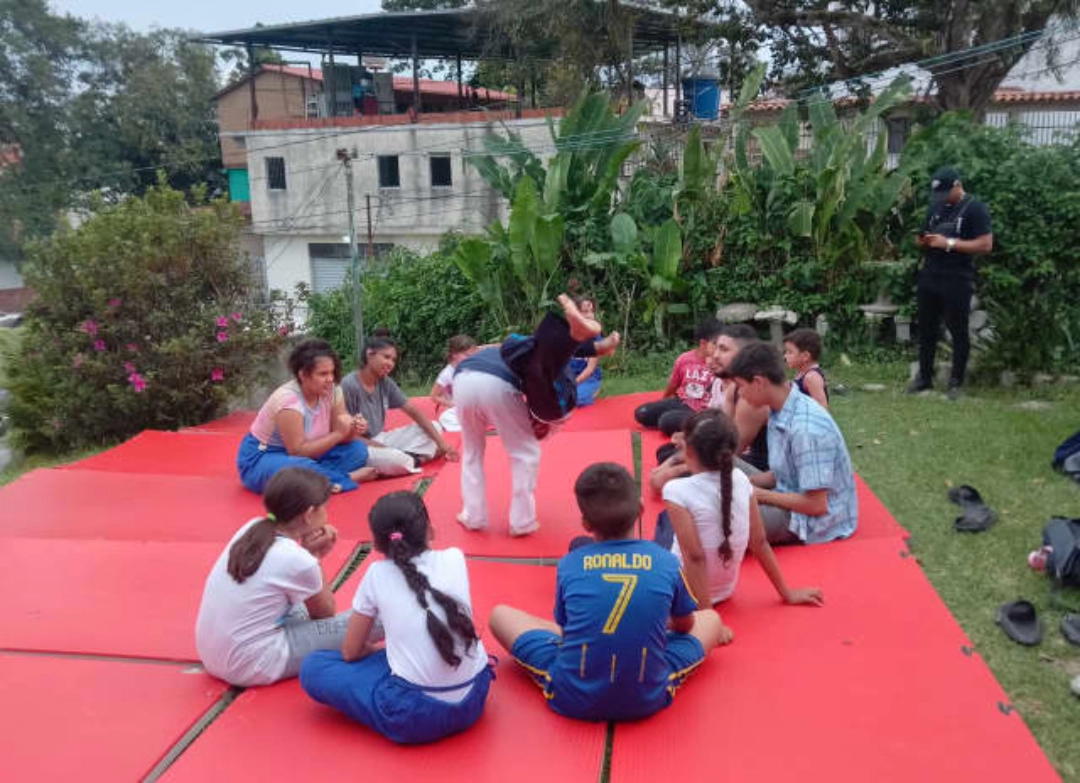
{"x": 143, "y": 319}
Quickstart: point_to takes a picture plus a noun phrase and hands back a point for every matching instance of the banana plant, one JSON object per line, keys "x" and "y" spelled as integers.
{"x": 512, "y": 268}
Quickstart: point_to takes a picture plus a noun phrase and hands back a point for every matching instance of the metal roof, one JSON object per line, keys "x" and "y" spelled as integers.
{"x": 447, "y": 33}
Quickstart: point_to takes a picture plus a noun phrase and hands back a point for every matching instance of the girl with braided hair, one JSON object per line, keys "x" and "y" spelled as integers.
{"x": 432, "y": 677}
{"x": 715, "y": 517}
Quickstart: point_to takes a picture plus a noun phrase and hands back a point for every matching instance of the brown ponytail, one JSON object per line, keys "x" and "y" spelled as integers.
{"x": 714, "y": 438}
{"x": 290, "y": 493}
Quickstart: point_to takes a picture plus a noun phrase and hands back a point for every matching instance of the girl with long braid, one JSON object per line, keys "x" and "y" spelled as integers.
{"x": 432, "y": 677}
{"x": 715, "y": 517}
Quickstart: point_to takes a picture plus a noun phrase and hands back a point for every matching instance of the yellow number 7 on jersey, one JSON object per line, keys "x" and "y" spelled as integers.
{"x": 628, "y": 582}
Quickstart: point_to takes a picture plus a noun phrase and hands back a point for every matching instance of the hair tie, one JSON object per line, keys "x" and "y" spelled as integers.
{"x": 270, "y": 516}
{"x": 396, "y": 536}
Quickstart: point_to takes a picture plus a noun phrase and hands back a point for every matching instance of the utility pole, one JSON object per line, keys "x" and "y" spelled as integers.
{"x": 370, "y": 235}
{"x": 358, "y": 315}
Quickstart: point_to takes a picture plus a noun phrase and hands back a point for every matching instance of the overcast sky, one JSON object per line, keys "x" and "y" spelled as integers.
{"x": 212, "y": 15}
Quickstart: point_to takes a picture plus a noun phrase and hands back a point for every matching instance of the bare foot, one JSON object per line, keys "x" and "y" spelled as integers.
{"x": 609, "y": 344}
{"x": 727, "y": 636}
{"x": 364, "y": 474}
{"x": 581, "y": 328}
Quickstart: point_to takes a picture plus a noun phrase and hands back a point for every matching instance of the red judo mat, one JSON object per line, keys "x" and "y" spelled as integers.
{"x": 564, "y": 456}
{"x": 67, "y": 719}
{"x": 173, "y": 453}
{"x": 122, "y": 598}
{"x": 875, "y": 520}
{"x": 880, "y": 684}
{"x": 518, "y": 737}
{"x": 609, "y": 413}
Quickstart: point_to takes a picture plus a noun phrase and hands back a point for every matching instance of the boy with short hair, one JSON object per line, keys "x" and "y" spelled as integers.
{"x": 802, "y": 351}
{"x": 689, "y": 387}
{"x": 609, "y": 654}
{"x": 808, "y": 494}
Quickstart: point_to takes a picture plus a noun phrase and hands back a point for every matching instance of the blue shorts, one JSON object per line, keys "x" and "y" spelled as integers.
{"x": 536, "y": 651}
{"x": 369, "y": 693}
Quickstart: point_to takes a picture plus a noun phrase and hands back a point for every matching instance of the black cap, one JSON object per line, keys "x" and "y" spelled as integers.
{"x": 943, "y": 181}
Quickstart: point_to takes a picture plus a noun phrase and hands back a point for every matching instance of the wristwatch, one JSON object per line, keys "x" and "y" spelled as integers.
{"x": 950, "y": 245}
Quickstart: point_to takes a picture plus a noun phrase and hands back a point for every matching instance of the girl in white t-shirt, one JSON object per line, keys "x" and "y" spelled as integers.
{"x": 461, "y": 346}
{"x": 267, "y": 603}
{"x": 432, "y": 677}
{"x": 715, "y": 516}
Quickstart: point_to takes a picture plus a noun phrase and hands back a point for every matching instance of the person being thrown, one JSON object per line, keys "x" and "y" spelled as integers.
{"x": 522, "y": 388}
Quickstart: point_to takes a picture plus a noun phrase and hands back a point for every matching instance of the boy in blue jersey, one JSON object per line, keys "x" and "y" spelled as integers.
{"x": 610, "y": 655}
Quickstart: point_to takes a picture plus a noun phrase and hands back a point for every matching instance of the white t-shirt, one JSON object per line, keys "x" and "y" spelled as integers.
{"x": 445, "y": 379}
{"x": 238, "y": 633}
{"x": 411, "y": 653}
{"x": 700, "y": 495}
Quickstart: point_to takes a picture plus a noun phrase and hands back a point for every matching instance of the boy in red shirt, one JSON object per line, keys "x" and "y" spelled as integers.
{"x": 689, "y": 387}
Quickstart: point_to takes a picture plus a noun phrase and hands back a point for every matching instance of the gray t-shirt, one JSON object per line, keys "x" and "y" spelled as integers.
{"x": 372, "y": 405}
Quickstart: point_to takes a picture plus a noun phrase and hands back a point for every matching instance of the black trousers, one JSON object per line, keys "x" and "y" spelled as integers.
{"x": 947, "y": 299}
{"x": 667, "y": 415}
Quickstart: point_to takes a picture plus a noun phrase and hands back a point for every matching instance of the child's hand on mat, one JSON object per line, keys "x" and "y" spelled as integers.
{"x": 319, "y": 542}
{"x": 448, "y": 451}
{"x": 807, "y": 596}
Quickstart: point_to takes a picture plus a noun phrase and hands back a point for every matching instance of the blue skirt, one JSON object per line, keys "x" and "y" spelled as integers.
{"x": 257, "y": 463}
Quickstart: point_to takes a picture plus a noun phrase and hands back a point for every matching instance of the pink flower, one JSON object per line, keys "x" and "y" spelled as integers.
{"x": 137, "y": 382}
{"x": 217, "y": 375}
{"x": 129, "y": 367}
{"x": 88, "y": 326}
{"x": 77, "y": 360}
{"x": 132, "y": 348}
{"x": 236, "y": 317}
{"x": 115, "y": 302}
{"x": 284, "y": 330}
{"x": 99, "y": 345}
{"x": 222, "y": 336}
{"x": 222, "y": 321}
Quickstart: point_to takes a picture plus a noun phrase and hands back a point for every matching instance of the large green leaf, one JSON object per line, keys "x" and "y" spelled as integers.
{"x": 801, "y": 219}
{"x": 547, "y": 243}
{"x": 667, "y": 250}
{"x": 776, "y": 150}
{"x": 472, "y": 257}
{"x": 523, "y": 217}
{"x": 624, "y": 233}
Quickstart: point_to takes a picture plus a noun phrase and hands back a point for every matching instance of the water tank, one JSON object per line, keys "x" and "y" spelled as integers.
{"x": 702, "y": 90}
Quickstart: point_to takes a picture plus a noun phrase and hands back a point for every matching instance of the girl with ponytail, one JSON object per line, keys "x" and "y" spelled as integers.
{"x": 715, "y": 517}
{"x": 432, "y": 677}
{"x": 267, "y": 602}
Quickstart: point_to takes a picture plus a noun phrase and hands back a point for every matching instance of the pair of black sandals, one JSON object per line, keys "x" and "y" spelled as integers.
{"x": 975, "y": 515}
{"x": 1021, "y": 623}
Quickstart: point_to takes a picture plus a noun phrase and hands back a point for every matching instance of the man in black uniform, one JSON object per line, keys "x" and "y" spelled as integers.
{"x": 957, "y": 228}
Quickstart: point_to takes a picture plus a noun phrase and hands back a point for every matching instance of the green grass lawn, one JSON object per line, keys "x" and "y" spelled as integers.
{"x": 911, "y": 450}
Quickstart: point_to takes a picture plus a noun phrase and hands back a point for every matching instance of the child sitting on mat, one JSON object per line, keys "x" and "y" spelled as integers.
{"x": 267, "y": 602}
{"x": 521, "y": 389}
{"x": 432, "y": 677}
{"x": 711, "y": 516}
{"x": 460, "y": 347}
{"x": 609, "y": 654}
{"x": 689, "y": 388}
{"x": 304, "y": 424}
{"x": 802, "y": 350}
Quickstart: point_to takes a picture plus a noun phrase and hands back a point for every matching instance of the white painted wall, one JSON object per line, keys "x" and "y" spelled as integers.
{"x": 9, "y": 275}
{"x": 313, "y": 207}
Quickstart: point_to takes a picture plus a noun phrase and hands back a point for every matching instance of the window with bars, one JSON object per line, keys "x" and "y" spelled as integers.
{"x": 389, "y": 172}
{"x": 442, "y": 175}
{"x": 275, "y": 173}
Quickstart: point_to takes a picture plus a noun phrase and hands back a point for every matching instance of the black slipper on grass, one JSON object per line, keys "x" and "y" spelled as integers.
{"x": 1070, "y": 628}
{"x": 1020, "y": 622}
{"x": 977, "y": 516}
{"x": 965, "y": 495}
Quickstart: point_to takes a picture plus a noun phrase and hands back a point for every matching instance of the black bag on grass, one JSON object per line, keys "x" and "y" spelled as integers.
{"x": 1062, "y": 535}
